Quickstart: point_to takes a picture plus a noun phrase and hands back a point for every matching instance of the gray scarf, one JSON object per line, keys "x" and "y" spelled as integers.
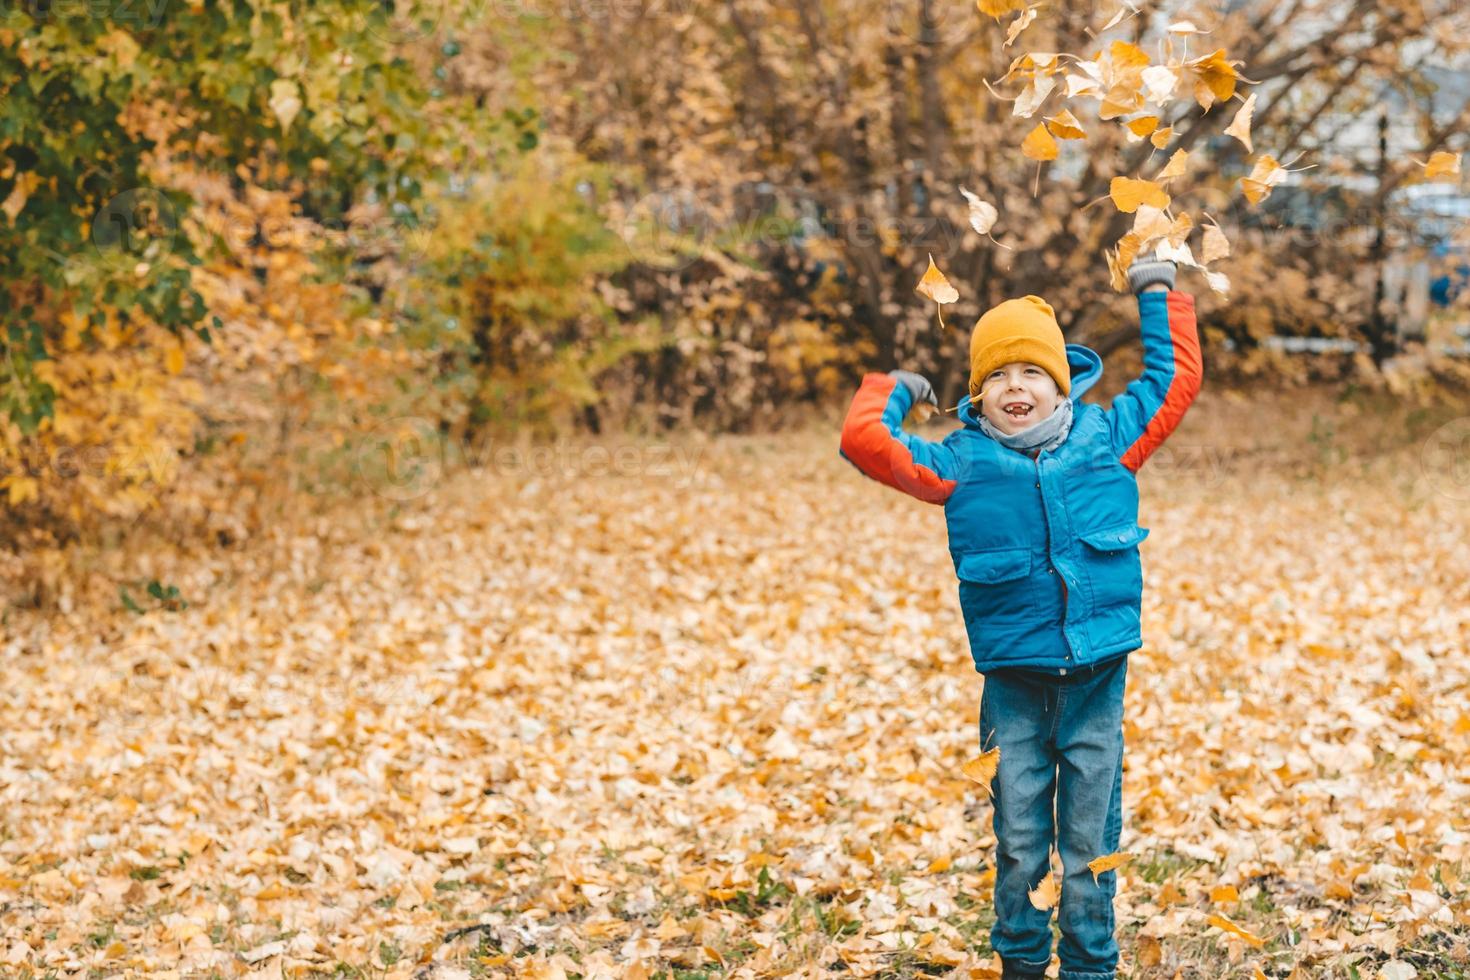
{"x": 1045, "y": 435}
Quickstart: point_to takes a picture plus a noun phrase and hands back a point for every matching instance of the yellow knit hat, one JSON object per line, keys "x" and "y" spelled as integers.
{"x": 1022, "y": 329}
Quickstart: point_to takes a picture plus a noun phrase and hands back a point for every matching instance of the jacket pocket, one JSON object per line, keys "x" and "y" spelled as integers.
{"x": 1114, "y": 569}
{"x": 994, "y": 567}
{"x": 996, "y": 597}
{"x": 1112, "y": 539}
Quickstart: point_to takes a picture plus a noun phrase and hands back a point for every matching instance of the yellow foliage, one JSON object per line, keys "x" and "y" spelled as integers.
{"x": 1128, "y": 193}
{"x": 1039, "y": 145}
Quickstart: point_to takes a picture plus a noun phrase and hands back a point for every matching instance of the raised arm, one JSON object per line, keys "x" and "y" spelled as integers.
{"x": 873, "y": 440}
{"x": 1152, "y": 406}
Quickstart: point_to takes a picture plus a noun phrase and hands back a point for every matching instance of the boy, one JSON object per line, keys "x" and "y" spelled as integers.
{"x": 1041, "y": 505}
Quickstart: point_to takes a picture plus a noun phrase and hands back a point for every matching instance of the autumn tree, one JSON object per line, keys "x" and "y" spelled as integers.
{"x": 874, "y": 114}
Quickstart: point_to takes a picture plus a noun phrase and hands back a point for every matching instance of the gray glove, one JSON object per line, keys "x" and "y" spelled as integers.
{"x": 1149, "y": 269}
{"x": 918, "y": 386}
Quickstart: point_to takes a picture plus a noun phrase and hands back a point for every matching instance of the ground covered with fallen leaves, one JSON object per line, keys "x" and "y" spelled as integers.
{"x": 707, "y": 713}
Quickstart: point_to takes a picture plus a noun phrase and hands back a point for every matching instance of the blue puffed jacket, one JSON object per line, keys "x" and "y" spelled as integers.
{"x": 1045, "y": 545}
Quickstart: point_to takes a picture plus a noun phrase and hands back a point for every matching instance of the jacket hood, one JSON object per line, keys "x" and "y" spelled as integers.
{"x": 1086, "y": 366}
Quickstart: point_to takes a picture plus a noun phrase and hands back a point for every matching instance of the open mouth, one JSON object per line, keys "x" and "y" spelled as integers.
{"x": 1017, "y": 410}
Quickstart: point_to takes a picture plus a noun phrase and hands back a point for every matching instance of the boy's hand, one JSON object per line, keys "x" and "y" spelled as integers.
{"x": 1150, "y": 270}
{"x": 917, "y": 385}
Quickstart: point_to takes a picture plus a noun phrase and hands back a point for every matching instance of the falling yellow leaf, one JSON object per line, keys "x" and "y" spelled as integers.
{"x": 1019, "y": 24}
{"x": 1266, "y": 174}
{"x": 1442, "y": 164}
{"x": 1117, "y": 16}
{"x": 934, "y": 286}
{"x": 1128, "y": 193}
{"x": 1240, "y": 126}
{"x": 1160, "y": 138}
{"x": 1082, "y": 85}
{"x": 1150, "y": 222}
{"x": 982, "y": 769}
{"x": 1179, "y": 231}
{"x": 1109, "y": 862}
{"x": 982, "y": 213}
{"x": 1127, "y": 61}
{"x": 1038, "y": 144}
{"x": 1214, "y": 78}
{"x": 1121, "y": 258}
{"x": 1113, "y": 108}
{"x": 1064, "y": 126}
{"x": 1216, "y": 245}
{"x": 1046, "y": 893}
{"x": 1159, "y": 82}
{"x": 1117, "y": 273}
{"x": 999, "y": 8}
{"x": 1143, "y": 125}
{"x": 1033, "y": 96}
{"x": 1220, "y": 922}
{"x": 1176, "y": 165}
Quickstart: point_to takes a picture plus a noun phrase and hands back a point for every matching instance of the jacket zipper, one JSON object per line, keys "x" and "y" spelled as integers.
{"x": 1036, "y": 459}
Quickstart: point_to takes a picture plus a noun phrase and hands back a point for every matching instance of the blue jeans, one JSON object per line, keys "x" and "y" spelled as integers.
{"x": 1060, "y": 782}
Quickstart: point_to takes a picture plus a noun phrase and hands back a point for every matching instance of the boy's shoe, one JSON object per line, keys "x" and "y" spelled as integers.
{"x": 1009, "y": 971}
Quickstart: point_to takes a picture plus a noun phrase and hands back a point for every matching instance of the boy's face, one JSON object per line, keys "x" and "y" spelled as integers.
{"x": 1018, "y": 395}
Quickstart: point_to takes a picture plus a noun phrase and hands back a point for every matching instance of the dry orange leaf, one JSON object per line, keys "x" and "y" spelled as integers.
{"x": 1442, "y": 164}
{"x": 1176, "y": 165}
{"x": 1046, "y": 894}
{"x": 1160, "y": 138}
{"x": 1150, "y": 223}
{"x": 1178, "y": 232}
{"x": 1159, "y": 83}
{"x": 1224, "y": 894}
{"x": 1109, "y": 862}
{"x": 1121, "y": 258}
{"x": 934, "y": 286}
{"x": 983, "y": 768}
{"x": 1214, "y": 78}
{"x": 1112, "y": 108}
{"x": 1220, "y": 922}
{"x": 1064, "y": 126}
{"x": 1266, "y": 174}
{"x": 1128, "y": 193}
{"x": 1038, "y": 144}
{"x": 1240, "y": 126}
{"x": 1020, "y": 24}
{"x": 999, "y": 8}
{"x": 1216, "y": 245}
{"x": 1033, "y": 95}
{"x": 1143, "y": 125}
{"x": 1127, "y": 62}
